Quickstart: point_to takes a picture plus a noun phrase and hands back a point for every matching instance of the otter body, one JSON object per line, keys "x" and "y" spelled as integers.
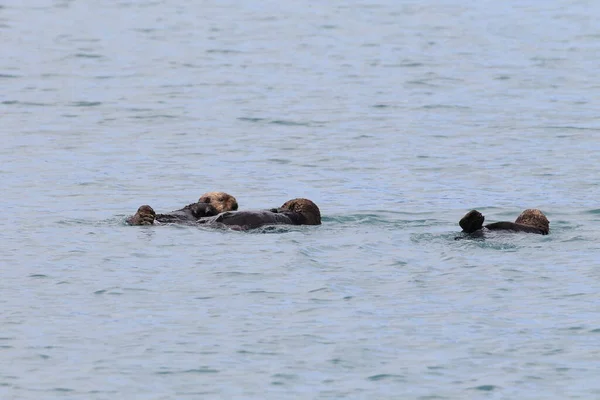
{"x": 292, "y": 212}
{"x": 218, "y": 211}
{"x": 209, "y": 204}
{"x": 530, "y": 221}
{"x": 245, "y": 220}
{"x": 514, "y": 227}
{"x": 189, "y": 213}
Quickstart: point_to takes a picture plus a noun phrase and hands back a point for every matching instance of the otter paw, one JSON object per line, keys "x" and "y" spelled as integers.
{"x": 144, "y": 216}
{"x": 472, "y": 221}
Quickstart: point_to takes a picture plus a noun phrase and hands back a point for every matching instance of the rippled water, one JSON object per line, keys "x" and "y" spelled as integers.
{"x": 396, "y": 118}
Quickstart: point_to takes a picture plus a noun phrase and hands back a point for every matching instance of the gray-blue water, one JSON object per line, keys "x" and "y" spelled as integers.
{"x": 395, "y": 117}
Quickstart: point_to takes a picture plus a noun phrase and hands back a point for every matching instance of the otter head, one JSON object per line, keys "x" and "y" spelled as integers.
{"x": 309, "y": 210}
{"x": 534, "y": 217}
{"x": 221, "y": 201}
{"x": 472, "y": 221}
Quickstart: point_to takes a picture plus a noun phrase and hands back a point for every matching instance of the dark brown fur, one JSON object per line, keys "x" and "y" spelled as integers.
{"x": 534, "y": 217}
{"x": 309, "y": 210}
{"x": 144, "y": 216}
{"x": 292, "y": 212}
{"x": 472, "y": 221}
{"x": 209, "y": 204}
{"x": 530, "y": 221}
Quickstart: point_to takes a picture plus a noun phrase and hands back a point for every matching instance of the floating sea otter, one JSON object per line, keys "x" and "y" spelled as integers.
{"x": 293, "y": 212}
{"x": 209, "y": 204}
{"x": 531, "y": 220}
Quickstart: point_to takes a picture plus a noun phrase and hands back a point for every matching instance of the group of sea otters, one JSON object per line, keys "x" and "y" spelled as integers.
{"x": 219, "y": 209}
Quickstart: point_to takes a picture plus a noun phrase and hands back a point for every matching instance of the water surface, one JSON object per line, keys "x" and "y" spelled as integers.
{"x": 396, "y": 118}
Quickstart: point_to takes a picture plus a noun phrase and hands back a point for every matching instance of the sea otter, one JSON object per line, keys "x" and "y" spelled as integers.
{"x": 210, "y": 203}
{"x": 530, "y": 221}
{"x": 292, "y": 212}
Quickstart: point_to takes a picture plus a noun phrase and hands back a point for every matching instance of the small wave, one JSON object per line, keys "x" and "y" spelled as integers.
{"x": 279, "y": 161}
{"x": 73, "y": 222}
{"x": 247, "y": 119}
{"x": 85, "y": 104}
{"x": 283, "y": 122}
{"x": 486, "y": 388}
{"x": 407, "y": 64}
{"x": 289, "y": 123}
{"x": 145, "y": 30}
{"x": 109, "y": 291}
{"x": 370, "y": 219}
{"x": 567, "y": 127}
{"x": 60, "y": 389}
{"x": 223, "y": 51}
{"x": 444, "y": 106}
{"x": 87, "y": 55}
{"x": 503, "y": 241}
{"x": 201, "y": 370}
{"x": 157, "y": 116}
{"x": 25, "y": 103}
{"x": 432, "y": 237}
{"x": 575, "y": 239}
{"x": 390, "y": 219}
{"x": 363, "y": 137}
{"x": 381, "y": 377}
{"x": 422, "y": 83}
{"x": 118, "y": 220}
{"x": 277, "y": 229}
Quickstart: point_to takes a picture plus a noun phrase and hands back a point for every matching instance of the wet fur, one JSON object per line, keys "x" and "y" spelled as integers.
{"x": 530, "y": 221}
{"x": 293, "y": 212}
{"x": 534, "y": 217}
{"x": 209, "y": 204}
{"x": 144, "y": 216}
{"x": 221, "y": 201}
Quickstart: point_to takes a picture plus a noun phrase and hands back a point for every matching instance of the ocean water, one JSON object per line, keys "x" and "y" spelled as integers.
{"x": 395, "y": 117}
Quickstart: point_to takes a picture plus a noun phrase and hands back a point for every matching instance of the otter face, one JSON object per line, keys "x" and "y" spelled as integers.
{"x": 308, "y": 209}
{"x": 472, "y": 221}
{"x": 221, "y": 201}
{"x": 534, "y": 217}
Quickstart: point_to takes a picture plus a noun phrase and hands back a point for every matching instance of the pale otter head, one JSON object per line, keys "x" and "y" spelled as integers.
{"x": 305, "y": 207}
{"x": 534, "y": 217}
{"x": 221, "y": 201}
